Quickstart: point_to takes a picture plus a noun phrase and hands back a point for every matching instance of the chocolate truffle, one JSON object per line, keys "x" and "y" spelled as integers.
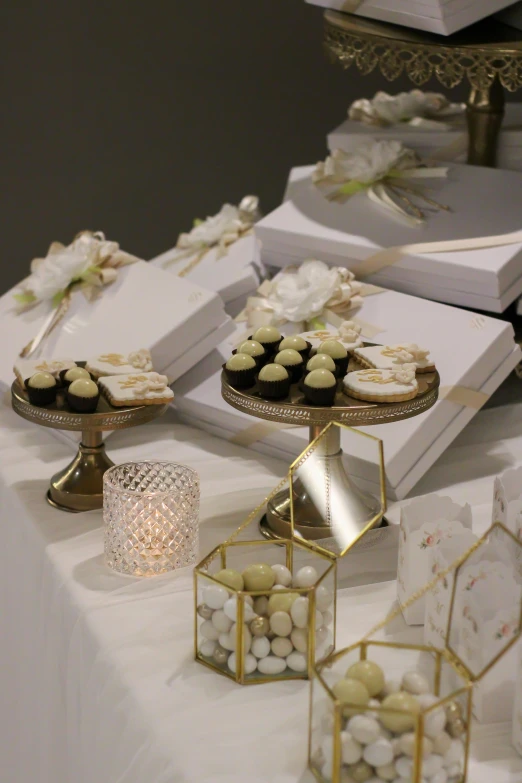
{"x": 268, "y": 336}
{"x": 339, "y": 354}
{"x": 83, "y": 395}
{"x": 41, "y": 388}
{"x": 273, "y": 381}
{"x": 297, "y": 343}
{"x": 255, "y": 349}
{"x": 240, "y": 370}
{"x": 292, "y": 360}
{"x": 72, "y": 374}
{"x": 321, "y": 361}
{"x": 319, "y": 387}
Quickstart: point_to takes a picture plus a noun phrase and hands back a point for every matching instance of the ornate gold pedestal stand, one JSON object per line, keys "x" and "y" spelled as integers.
{"x": 488, "y": 54}
{"x": 358, "y": 508}
{"x": 79, "y": 486}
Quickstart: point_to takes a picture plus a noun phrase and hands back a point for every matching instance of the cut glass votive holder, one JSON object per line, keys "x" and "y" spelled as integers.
{"x": 151, "y": 517}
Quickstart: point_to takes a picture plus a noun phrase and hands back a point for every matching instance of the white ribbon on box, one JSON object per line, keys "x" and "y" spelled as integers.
{"x": 425, "y": 523}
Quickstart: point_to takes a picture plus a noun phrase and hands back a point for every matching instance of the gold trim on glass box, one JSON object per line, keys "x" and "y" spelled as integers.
{"x": 445, "y": 655}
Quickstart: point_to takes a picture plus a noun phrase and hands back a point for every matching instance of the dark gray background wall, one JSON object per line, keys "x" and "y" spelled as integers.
{"x": 134, "y": 117}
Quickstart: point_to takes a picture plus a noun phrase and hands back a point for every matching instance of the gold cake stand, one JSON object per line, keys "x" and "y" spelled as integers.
{"x": 487, "y": 54}
{"x": 79, "y": 486}
{"x": 359, "y": 508}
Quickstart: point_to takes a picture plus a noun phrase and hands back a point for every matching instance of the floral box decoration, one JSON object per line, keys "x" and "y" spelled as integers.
{"x": 425, "y": 523}
{"x": 428, "y": 123}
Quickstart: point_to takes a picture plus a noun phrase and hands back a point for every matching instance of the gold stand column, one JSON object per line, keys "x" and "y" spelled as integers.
{"x": 81, "y": 482}
{"x": 484, "y": 115}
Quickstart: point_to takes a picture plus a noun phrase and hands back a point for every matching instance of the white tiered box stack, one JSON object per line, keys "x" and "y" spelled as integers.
{"x": 450, "y": 144}
{"x": 434, "y": 16}
{"x": 483, "y": 203}
{"x": 470, "y": 351}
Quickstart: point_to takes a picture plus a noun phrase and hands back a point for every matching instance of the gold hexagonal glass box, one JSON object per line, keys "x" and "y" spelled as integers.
{"x": 386, "y": 711}
{"x": 265, "y": 607}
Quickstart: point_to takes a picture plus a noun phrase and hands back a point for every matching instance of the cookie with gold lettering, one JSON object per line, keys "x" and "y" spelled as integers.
{"x": 388, "y": 357}
{"x": 147, "y": 388}
{"x": 395, "y": 385}
{"x": 119, "y": 363}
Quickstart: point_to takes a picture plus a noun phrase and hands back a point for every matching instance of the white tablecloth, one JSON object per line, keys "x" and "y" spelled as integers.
{"x": 97, "y": 681}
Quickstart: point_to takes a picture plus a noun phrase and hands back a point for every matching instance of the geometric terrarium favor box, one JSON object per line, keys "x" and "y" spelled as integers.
{"x": 265, "y": 607}
{"x": 383, "y": 710}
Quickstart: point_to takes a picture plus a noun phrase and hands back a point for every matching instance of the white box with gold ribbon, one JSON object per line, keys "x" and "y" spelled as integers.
{"x": 447, "y": 142}
{"x": 220, "y": 253}
{"x": 141, "y": 307}
{"x": 473, "y": 355}
{"x": 433, "y": 16}
{"x": 466, "y": 251}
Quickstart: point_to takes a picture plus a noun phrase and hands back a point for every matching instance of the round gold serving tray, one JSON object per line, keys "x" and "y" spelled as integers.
{"x": 346, "y": 410}
{"x": 58, "y": 416}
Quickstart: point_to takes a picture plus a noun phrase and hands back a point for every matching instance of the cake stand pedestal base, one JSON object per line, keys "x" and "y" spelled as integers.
{"x": 79, "y": 486}
{"x": 327, "y": 480}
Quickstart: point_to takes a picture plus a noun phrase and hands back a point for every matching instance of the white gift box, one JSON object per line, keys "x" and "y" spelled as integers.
{"x": 475, "y": 352}
{"x": 425, "y": 523}
{"x": 433, "y": 16}
{"x": 177, "y": 320}
{"x": 448, "y": 144}
{"x": 307, "y": 225}
{"x": 233, "y": 276}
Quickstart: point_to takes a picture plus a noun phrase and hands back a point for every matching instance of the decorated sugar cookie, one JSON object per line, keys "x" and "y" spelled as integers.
{"x": 348, "y": 333}
{"x": 383, "y": 385}
{"x": 25, "y": 368}
{"x": 119, "y": 363}
{"x": 387, "y": 357}
{"x": 148, "y": 388}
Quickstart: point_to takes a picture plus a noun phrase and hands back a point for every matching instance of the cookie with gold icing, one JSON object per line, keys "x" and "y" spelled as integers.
{"x": 388, "y": 357}
{"x": 119, "y": 363}
{"x": 147, "y": 388}
{"x": 395, "y": 385}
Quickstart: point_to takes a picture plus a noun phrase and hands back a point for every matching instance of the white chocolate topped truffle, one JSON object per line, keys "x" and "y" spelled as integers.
{"x": 320, "y": 379}
{"x": 83, "y": 387}
{"x": 295, "y": 341}
{"x": 240, "y": 361}
{"x": 273, "y": 372}
{"x": 321, "y": 361}
{"x": 288, "y": 357}
{"x": 251, "y": 347}
{"x": 74, "y": 373}
{"x": 41, "y": 380}
{"x": 333, "y": 348}
{"x": 267, "y": 334}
